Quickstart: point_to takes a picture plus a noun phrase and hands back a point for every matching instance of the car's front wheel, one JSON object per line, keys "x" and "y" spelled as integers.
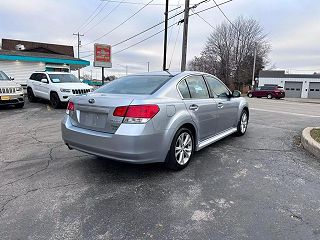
{"x": 30, "y": 95}
{"x": 181, "y": 150}
{"x": 250, "y": 95}
{"x": 243, "y": 123}
{"x": 55, "y": 100}
{"x": 269, "y": 96}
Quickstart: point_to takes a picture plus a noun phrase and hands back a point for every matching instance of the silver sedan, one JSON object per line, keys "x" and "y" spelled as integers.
{"x": 154, "y": 117}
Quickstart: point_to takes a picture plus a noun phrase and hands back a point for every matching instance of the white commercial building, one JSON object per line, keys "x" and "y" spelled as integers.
{"x": 295, "y": 85}
{"x": 19, "y": 59}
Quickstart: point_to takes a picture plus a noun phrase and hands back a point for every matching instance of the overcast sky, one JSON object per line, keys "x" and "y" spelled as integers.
{"x": 292, "y": 27}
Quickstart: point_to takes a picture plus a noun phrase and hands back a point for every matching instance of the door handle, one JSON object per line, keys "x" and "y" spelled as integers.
{"x": 194, "y": 107}
{"x": 220, "y": 105}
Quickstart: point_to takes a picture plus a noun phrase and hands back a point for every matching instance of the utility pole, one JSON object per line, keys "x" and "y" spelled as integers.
{"x": 185, "y": 35}
{"x": 148, "y": 63}
{"x": 126, "y": 70}
{"x": 254, "y": 64}
{"x": 166, "y": 13}
{"x": 79, "y": 44}
{"x": 102, "y": 68}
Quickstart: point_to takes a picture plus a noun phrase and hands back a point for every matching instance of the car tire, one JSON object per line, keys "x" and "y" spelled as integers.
{"x": 55, "y": 100}
{"x": 269, "y": 96}
{"x": 180, "y": 153}
{"x": 243, "y": 123}
{"x": 19, "y": 105}
{"x": 250, "y": 95}
{"x": 30, "y": 95}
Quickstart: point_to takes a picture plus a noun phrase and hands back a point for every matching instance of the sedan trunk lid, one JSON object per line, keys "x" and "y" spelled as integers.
{"x": 95, "y": 111}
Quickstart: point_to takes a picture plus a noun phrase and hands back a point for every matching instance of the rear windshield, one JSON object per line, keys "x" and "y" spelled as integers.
{"x": 144, "y": 85}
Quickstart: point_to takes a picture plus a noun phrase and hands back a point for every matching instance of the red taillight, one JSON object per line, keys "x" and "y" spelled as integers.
{"x": 70, "y": 106}
{"x": 120, "y": 111}
{"x": 142, "y": 111}
{"x": 136, "y": 113}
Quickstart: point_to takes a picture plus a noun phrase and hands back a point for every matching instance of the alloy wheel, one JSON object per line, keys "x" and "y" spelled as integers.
{"x": 244, "y": 122}
{"x": 183, "y": 148}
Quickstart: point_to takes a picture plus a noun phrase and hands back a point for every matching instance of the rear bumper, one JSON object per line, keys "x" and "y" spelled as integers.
{"x": 134, "y": 148}
{"x": 279, "y": 95}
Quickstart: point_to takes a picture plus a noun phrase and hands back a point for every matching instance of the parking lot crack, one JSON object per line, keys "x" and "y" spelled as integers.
{"x": 36, "y": 172}
{"x": 260, "y": 149}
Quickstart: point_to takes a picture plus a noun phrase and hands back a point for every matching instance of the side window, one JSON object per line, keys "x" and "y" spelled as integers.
{"x": 33, "y": 76}
{"x": 41, "y": 76}
{"x": 217, "y": 87}
{"x": 197, "y": 87}
{"x": 183, "y": 89}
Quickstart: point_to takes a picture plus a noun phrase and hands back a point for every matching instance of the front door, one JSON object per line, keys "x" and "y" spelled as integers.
{"x": 201, "y": 107}
{"x": 227, "y": 106}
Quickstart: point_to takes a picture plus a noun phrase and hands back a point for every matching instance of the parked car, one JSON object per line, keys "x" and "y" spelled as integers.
{"x": 268, "y": 92}
{"x": 57, "y": 87}
{"x": 154, "y": 117}
{"x": 11, "y": 93}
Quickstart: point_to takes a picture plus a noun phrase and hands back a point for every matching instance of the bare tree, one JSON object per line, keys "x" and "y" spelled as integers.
{"x": 229, "y": 52}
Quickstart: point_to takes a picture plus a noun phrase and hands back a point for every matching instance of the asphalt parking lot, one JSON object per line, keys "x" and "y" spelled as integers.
{"x": 259, "y": 186}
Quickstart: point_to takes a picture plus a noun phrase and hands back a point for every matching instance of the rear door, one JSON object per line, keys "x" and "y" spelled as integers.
{"x": 201, "y": 107}
{"x": 227, "y": 106}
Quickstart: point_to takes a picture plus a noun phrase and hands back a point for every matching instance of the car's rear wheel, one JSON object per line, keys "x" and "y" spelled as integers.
{"x": 19, "y": 105}
{"x": 243, "y": 123}
{"x": 269, "y": 96}
{"x": 250, "y": 95}
{"x": 181, "y": 150}
{"x": 30, "y": 95}
{"x": 55, "y": 100}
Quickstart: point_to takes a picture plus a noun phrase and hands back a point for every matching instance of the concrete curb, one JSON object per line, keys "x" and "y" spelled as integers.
{"x": 309, "y": 143}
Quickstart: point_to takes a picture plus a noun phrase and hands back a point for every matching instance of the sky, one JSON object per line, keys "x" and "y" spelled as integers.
{"x": 292, "y": 28}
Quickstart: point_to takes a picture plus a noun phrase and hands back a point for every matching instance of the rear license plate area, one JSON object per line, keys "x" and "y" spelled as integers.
{"x": 93, "y": 120}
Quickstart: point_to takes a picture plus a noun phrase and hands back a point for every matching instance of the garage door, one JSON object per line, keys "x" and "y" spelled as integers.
{"x": 293, "y": 89}
{"x": 314, "y": 90}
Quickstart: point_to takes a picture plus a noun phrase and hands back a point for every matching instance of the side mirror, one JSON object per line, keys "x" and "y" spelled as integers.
{"x": 11, "y": 78}
{"x": 43, "y": 80}
{"x": 236, "y": 94}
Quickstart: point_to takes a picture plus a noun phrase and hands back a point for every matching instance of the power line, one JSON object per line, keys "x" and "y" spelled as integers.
{"x": 141, "y": 3}
{"x": 223, "y": 13}
{"x": 175, "y": 43}
{"x": 119, "y": 25}
{"x": 206, "y": 9}
{"x": 204, "y": 20}
{"x": 105, "y": 4}
{"x": 102, "y": 19}
{"x": 143, "y": 40}
{"x": 89, "y": 16}
{"x": 148, "y": 29}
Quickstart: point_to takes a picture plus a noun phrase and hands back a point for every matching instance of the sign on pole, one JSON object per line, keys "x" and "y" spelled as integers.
{"x": 102, "y": 55}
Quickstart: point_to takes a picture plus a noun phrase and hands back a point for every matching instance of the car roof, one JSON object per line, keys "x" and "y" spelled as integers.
{"x": 52, "y": 72}
{"x": 168, "y": 73}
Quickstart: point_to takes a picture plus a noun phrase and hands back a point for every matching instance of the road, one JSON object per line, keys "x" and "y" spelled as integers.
{"x": 263, "y": 185}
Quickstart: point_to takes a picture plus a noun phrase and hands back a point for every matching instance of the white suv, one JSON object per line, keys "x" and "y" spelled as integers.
{"x": 57, "y": 87}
